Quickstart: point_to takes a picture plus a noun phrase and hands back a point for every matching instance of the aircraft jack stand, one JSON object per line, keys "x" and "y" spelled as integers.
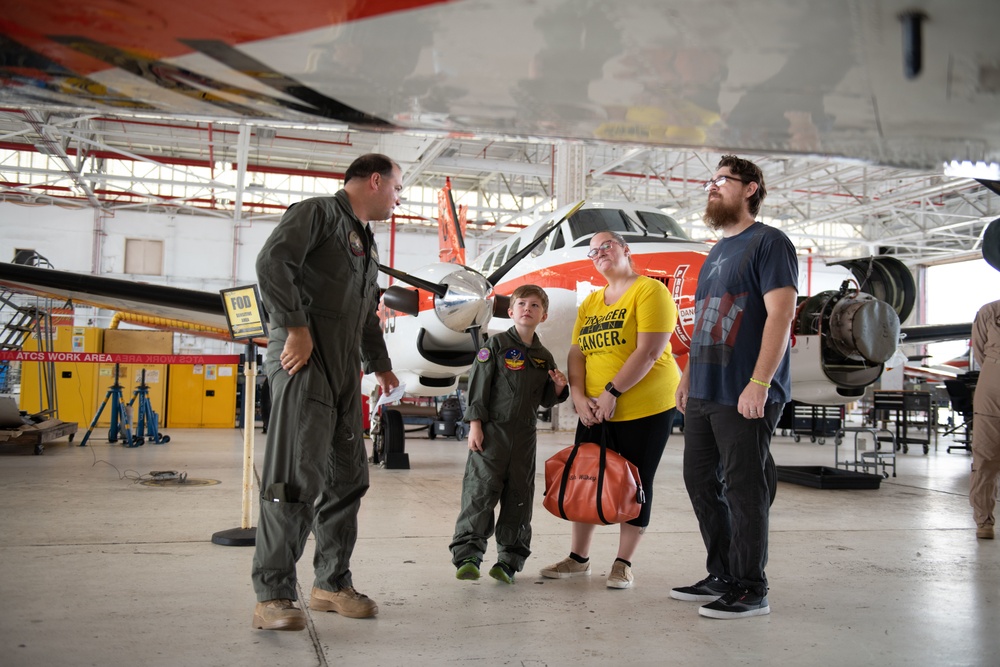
{"x": 146, "y": 420}
{"x": 120, "y": 424}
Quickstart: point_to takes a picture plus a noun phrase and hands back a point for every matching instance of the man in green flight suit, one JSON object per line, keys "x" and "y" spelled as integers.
{"x": 318, "y": 278}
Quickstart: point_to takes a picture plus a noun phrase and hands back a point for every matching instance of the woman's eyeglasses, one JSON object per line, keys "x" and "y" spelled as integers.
{"x": 720, "y": 181}
{"x": 604, "y": 247}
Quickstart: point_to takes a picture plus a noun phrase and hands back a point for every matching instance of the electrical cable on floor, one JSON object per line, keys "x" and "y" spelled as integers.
{"x": 133, "y": 475}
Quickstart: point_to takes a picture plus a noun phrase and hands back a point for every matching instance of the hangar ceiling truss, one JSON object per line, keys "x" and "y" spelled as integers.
{"x": 238, "y": 170}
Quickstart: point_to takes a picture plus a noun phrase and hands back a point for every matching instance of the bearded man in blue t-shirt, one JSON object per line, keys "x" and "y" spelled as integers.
{"x": 734, "y": 388}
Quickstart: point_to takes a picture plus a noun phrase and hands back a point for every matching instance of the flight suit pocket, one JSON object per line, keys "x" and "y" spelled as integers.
{"x": 316, "y": 412}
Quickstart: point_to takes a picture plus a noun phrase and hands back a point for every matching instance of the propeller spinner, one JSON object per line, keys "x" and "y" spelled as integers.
{"x": 463, "y": 297}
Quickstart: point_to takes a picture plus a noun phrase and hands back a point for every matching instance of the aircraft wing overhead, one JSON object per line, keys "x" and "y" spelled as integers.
{"x": 936, "y": 333}
{"x": 202, "y": 308}
{"x": 814, "y": 77}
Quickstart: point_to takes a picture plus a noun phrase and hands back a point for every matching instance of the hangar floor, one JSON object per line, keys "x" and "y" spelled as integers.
{"x": 101, "y": 570}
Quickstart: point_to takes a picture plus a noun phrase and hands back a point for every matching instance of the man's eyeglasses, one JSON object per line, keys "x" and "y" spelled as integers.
{"x": 604, "y": 247}
{"x": 721, "y": 180}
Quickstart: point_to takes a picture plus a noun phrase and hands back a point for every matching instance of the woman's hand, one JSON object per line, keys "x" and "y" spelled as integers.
{"x": 585, "y": 409}
{"x": 605, "y": 406}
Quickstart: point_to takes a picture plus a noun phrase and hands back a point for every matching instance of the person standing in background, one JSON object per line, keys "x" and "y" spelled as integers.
{"x": 986, "y": 420}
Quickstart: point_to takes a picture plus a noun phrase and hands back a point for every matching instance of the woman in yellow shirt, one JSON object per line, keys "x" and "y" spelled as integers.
{"x": 622, "y": 379}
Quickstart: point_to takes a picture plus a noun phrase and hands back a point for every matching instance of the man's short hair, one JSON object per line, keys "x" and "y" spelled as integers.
{"x": 531, "y": 290}
{"x": 368, "y": 164}
{"x": 751, "y": 173}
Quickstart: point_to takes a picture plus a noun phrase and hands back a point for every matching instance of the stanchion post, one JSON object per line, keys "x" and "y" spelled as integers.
{"x": 246, "y": 319}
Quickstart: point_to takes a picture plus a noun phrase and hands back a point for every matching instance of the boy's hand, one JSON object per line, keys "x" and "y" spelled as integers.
{"x": 476, "y": 435}
{"x": 559, "y": 379}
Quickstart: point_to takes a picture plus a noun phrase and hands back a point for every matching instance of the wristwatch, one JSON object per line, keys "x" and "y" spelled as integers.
{"x": 610, "y": 388}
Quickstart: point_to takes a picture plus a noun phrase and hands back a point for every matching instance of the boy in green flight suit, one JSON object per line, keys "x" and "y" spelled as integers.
{"x": 513, "y": 375}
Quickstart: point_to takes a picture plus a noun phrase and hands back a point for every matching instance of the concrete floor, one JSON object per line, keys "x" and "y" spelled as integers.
{"x": 101, "y": 570}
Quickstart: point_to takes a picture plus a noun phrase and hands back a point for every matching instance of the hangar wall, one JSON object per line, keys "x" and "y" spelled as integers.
{"x": 198, "y": 250}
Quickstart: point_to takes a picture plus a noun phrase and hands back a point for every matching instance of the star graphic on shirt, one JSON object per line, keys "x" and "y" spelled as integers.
{"x": 717, "y": 266}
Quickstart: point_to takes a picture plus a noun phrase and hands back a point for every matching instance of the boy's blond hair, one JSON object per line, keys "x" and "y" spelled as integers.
{"x": 531, "y": 290}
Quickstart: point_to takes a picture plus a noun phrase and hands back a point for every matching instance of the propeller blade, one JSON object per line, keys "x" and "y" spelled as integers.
{"x": 523, "y": 252}
{"x": 436, "y": 288}
{"x": 477, "y": 341}
{"x": 402, "y": 300}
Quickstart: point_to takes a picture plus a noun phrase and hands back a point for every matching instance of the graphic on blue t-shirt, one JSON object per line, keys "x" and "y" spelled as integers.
{"x": 716, "y": 267}
{"x": 600, "y": 331}
{"x": 716, "y": 330}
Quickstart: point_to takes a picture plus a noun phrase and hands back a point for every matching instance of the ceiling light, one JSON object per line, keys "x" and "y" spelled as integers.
{"x": 988, "y": 171}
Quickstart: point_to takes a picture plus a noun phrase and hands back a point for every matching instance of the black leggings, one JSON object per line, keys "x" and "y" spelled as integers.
{"x": 641, "y": 441}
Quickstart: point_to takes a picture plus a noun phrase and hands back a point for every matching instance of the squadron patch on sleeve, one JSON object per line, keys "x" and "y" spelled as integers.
{"x": 513, "y": 359}
{"x": 484, "y": 355}
{"x": 357, "y": 247}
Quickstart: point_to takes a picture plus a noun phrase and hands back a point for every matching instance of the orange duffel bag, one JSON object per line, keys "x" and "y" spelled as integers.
{"x": 590, "y": 483}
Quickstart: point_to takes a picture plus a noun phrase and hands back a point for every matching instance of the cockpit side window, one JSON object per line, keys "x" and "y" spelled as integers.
{"x": 558, "y": 241}
{"x": 500, "y": 255}
{"x": 540, "y": 248}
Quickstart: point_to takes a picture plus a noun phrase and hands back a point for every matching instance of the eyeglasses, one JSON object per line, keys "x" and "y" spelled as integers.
{"x": 720, "y": 181}
{"x": 604, "y": 247}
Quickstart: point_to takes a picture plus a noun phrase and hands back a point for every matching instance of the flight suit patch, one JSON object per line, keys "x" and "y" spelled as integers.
{"x": 513, "y": 359}
{"x": 484, "y": 355}
{"x": 539, "y": 363}
{"x": 357, "y": 247}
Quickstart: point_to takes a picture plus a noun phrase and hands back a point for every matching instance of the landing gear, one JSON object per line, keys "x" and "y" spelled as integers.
{"x": 389, "y": 441}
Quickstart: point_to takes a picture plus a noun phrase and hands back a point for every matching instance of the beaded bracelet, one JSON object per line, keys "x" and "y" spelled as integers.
{"x": 761, "y": 383}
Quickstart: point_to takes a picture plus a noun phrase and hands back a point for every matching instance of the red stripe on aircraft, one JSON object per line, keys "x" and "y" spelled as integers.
{"x": 153, "y": 28}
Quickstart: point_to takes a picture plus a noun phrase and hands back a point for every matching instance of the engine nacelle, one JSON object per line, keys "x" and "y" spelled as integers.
{"x": 857, "y": 334}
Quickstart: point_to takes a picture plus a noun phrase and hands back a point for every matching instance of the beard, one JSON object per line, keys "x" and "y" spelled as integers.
{"x": 719, "y": 215}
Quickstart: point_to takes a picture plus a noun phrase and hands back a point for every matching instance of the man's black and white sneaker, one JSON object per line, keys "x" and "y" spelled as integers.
{"x": 740, "y": 601}
{"x": 708, "y": 589}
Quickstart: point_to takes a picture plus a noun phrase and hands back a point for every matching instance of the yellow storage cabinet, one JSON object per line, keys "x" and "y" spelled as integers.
{"x": 76, "y": 384}
{"x": 202, "y": 396}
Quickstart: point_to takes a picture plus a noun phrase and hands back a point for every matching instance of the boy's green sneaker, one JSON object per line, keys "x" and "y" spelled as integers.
{"x": 469, "y": 569}
{"x": 502, "y": 572}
